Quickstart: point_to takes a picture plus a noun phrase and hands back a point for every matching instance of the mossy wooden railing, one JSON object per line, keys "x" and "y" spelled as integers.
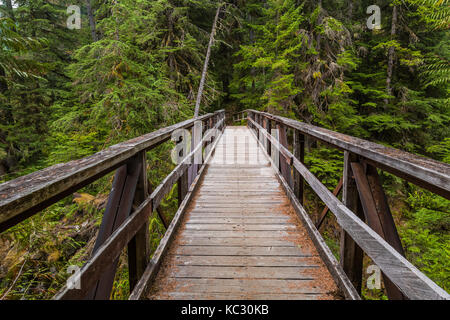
{"x": 129, "y": 206}
{"x": 364, "y": 215}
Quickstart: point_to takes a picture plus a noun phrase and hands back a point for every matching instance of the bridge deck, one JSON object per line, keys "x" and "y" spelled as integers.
{"x": 240, "y": 237}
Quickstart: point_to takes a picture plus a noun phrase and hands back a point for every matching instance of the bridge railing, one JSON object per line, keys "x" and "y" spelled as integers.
{"x": 122, "y": 225}
{"x": 363, "y": 199}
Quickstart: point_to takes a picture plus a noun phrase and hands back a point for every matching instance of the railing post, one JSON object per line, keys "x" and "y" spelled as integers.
{"x": 265, "y": 141}
{"x": 184, "y": 181}
{"x": 285, "y": 168}
{"x": 196, "y": 132}
{"x": 257, "y": 117}
{"x": 138, "y": 247}
{"x": 182, "y": 188}
{"x": 351, "y": 255}
{"x": 249, "y": 116}
{"x": 378, "y": 215}
{"x": 269, "y": 131}
{"x": 118, "y": 208}
{"x": 299, "y": 153}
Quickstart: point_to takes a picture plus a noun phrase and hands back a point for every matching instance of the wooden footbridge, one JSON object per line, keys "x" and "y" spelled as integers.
{"x": 241, "y": 231}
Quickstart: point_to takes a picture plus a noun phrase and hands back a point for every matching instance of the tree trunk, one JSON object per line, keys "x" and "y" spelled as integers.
{"x": 9, "y": 8}
{"x": 91, "y": 20}
{"x": 391, "y": 55}
{"x": 350, "y": 9}
{"x": 319, "y": 22}
{"x": 205, "y": 66}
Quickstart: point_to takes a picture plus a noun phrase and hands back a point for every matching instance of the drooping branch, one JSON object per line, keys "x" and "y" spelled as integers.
{"x": 205, "y": 66}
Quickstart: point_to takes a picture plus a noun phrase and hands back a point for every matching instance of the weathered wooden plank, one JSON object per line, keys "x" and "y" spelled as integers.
{"x": 239, "y": 242}
{"x": 234, "y": 296}
{"x": 260, "y": 205}
{"x": 224, "y": 272}
{"x": 237, "y": 203}
{"x": 239, "y": 169}
{"x": 257, "y": 179}
{"x": 239, "y": 227}
{"x": 248, "y": 261}
{"x": 231, "y": 191}
{"x": 427, "y": 173}
{"x": 238, "y": 197}
{"x": 237, "y": 234}
{"x": 251, "y": 184}
{"x": 251, "y": 286}
{"x": 242, "y": 220}
{"x": 241, "y": 251}
{"x": 238, "y": 213}
{"x": 230, "y": 188}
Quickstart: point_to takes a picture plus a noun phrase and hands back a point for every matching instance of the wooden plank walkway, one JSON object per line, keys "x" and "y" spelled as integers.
{"x": 240, "y": 237}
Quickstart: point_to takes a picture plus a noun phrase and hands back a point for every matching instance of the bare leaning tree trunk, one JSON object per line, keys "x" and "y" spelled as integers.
{"x": 10, "y": 9}
{"x": 205, "y": 66}
{"x": 391, "y": 55}
{"x": 91, "y": 20}
{"x": 319, "y": 22}
{"x": 350, "y": 9}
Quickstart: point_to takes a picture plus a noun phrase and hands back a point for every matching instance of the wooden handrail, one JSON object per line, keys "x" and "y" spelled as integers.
{"x": 427, "y": 173}
{"x": 23, "y": 197}
{"x": 413, "y": 283}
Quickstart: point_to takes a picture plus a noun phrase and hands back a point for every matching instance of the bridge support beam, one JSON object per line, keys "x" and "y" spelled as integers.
{"x": 118, "y": 208}
{"x": 138, "y": 247}
{"x": 378, "y": 215}
{"x": 299, "y": 153}
{"x": 351, "y": 254}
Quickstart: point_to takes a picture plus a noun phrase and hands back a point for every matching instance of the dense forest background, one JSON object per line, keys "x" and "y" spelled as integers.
{"x": 135, "y": 66}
